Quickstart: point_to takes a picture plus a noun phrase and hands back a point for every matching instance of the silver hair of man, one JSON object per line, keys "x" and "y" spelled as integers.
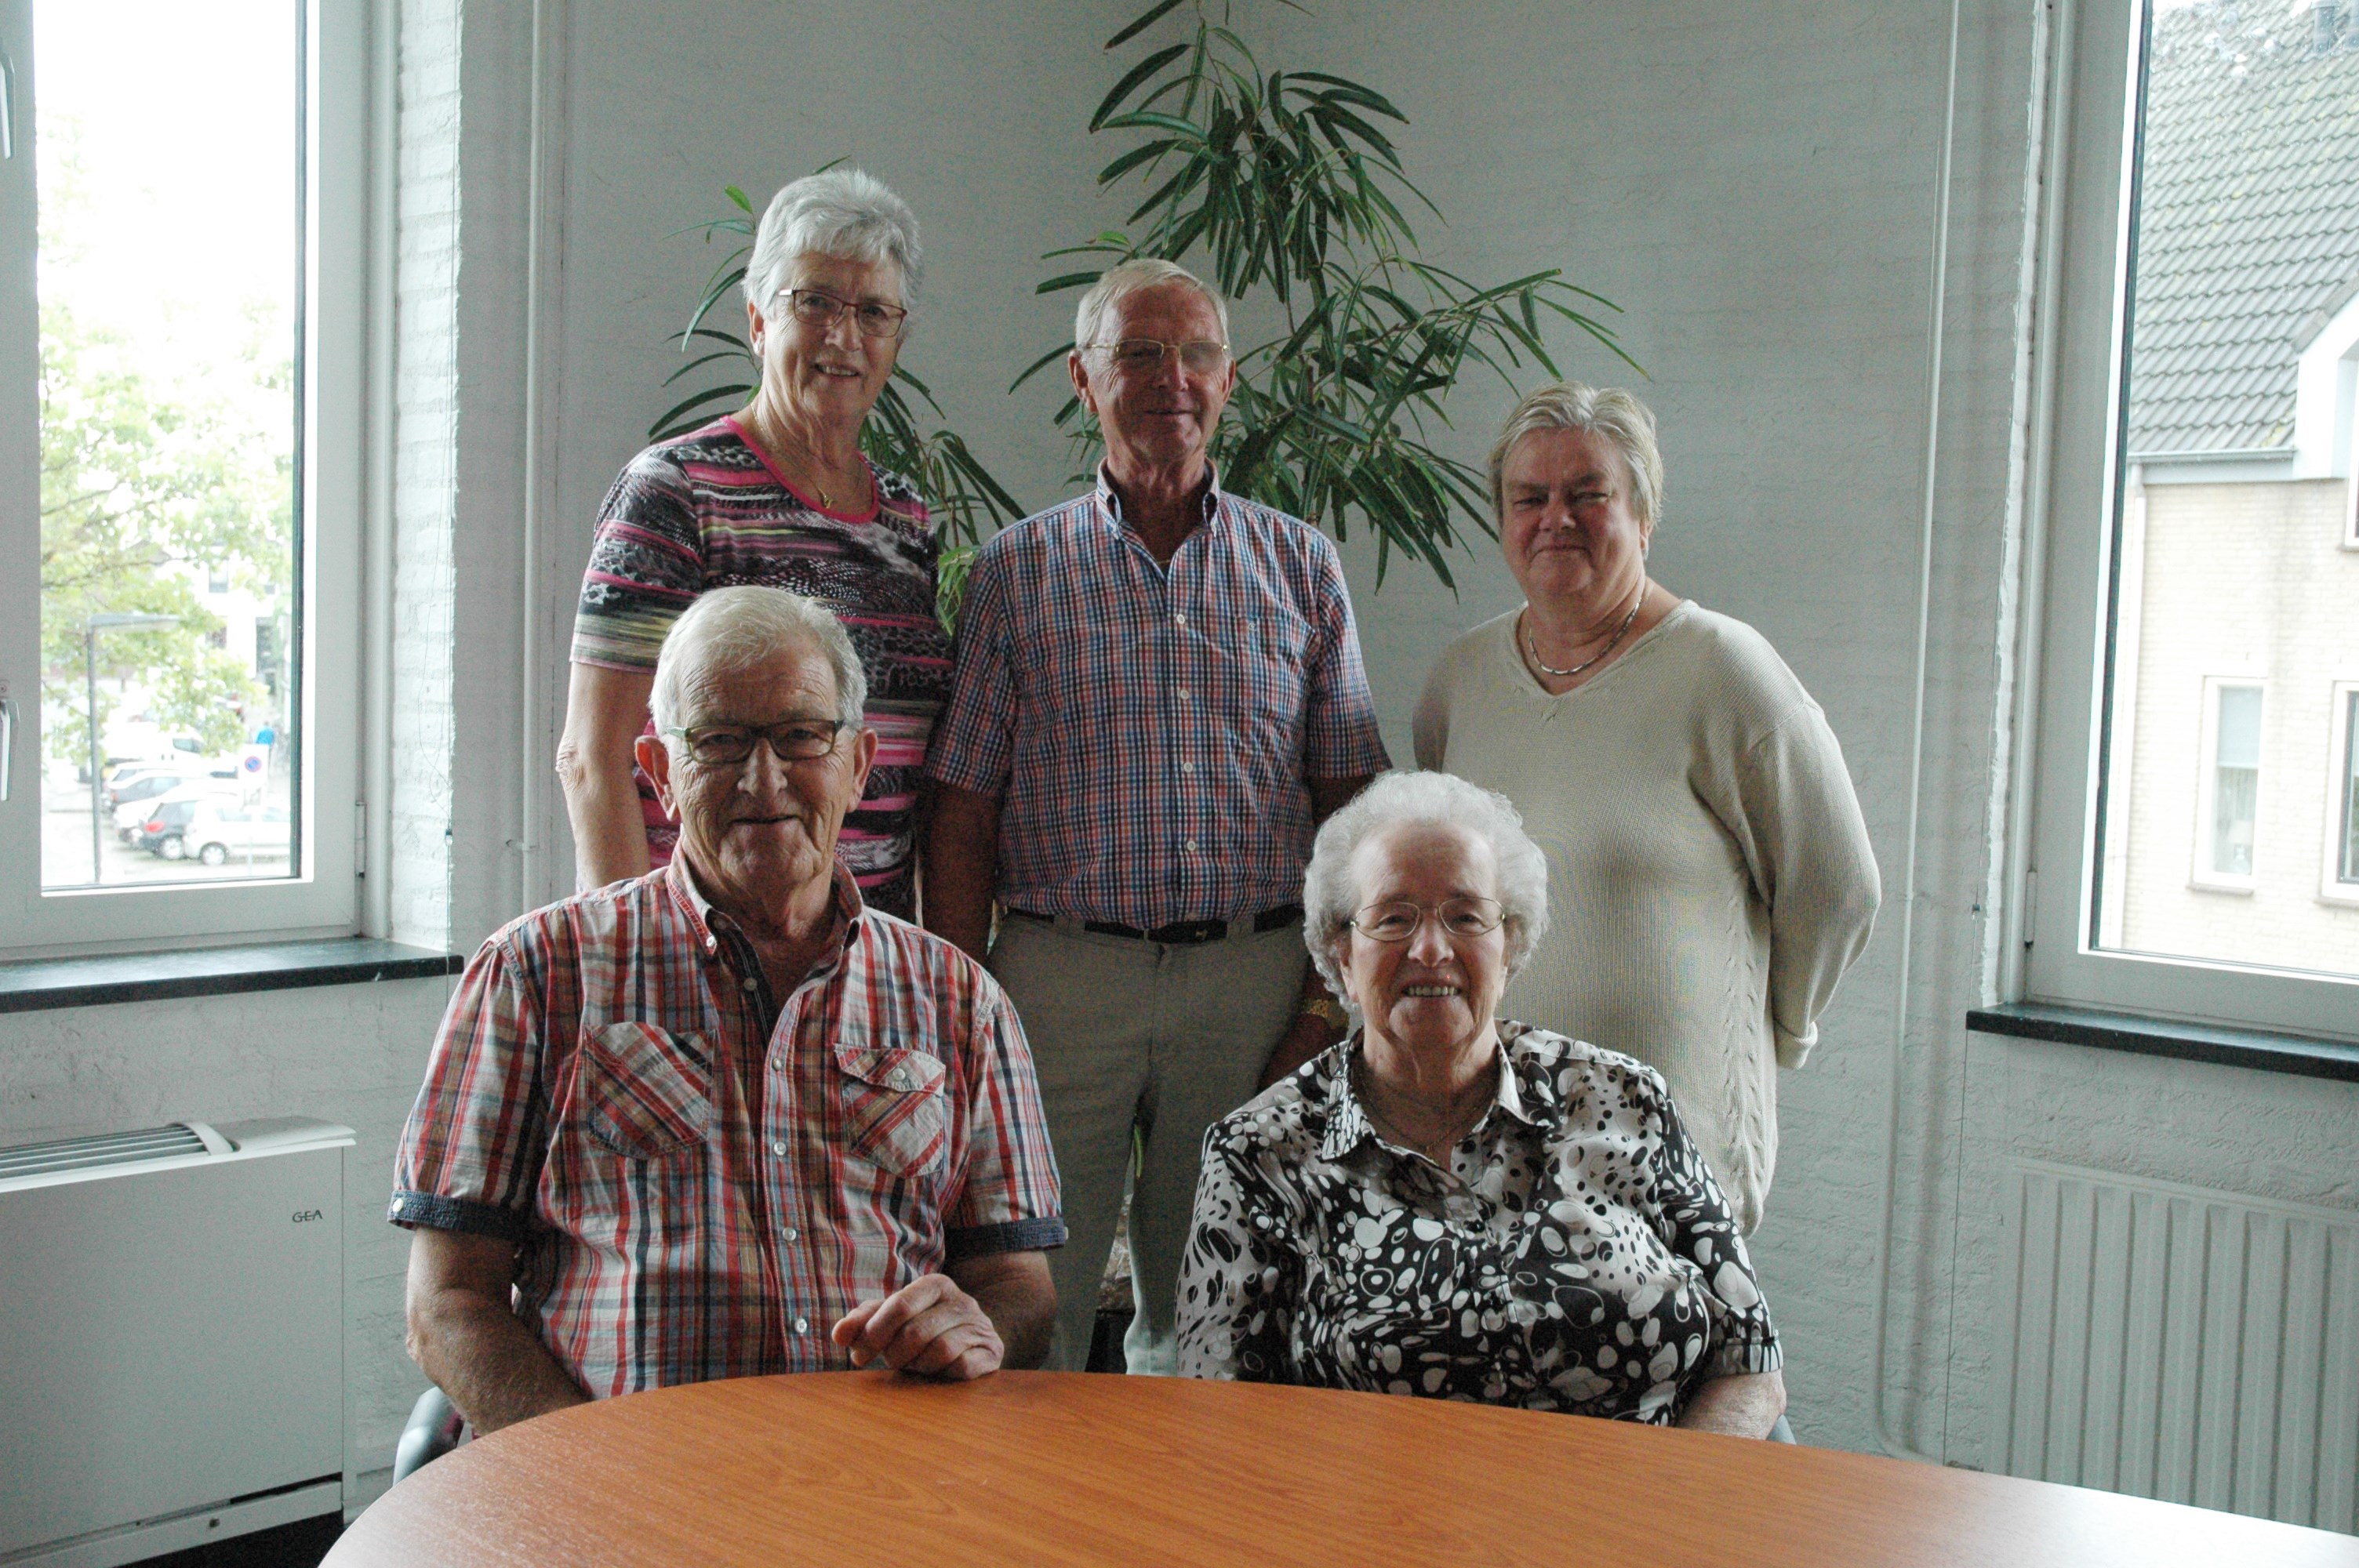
{"x": 1119, "y": 282}
{"x": 1607, "y": 411}
{"x": 733, "y": 629}
{"x": 841, "y": 213}
{"x": 1330, "y": 897}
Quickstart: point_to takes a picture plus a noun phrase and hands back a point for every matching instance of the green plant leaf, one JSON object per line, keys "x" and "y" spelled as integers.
{"x": 1155, "y": 14}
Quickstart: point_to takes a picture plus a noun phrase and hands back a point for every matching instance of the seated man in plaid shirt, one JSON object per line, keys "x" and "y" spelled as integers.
{"x": 1159, "y": 694}
{"x": 722, "y": 1120}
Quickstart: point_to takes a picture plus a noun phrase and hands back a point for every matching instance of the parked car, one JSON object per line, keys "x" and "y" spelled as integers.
{"x": 167, "y": 816}
{"x": 158, "y": 832}
{"x": 147, "y": 784}
{"x": 218, "y": 831}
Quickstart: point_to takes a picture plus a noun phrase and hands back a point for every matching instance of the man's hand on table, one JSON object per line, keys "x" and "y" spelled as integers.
{"x": 929, "y": 1326}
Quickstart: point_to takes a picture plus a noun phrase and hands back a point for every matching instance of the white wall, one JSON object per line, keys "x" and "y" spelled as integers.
{"x": 1752, "y": 182}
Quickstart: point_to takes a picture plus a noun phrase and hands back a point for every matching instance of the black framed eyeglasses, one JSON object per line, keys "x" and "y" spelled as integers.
{"x": 791, "y": 740}
{"x": 821, "y": 312}
{"x": 1397, "y": 920}
{"x": 1145, "y": 355}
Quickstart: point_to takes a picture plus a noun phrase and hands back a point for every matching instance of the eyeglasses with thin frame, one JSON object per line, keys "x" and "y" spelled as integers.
{"x": 791, "y": 740}
{"x": 1397, "y": 920}
{"x": 1145, "y": 355}
{"x": 821, "y": 312}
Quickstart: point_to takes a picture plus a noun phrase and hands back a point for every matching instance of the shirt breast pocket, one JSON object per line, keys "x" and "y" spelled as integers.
{"x": 646, "y": 1094}
{"x": 896, "y": 1111}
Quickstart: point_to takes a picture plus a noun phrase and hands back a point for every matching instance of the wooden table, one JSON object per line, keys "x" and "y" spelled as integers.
{"x": 1041, "y": 1467}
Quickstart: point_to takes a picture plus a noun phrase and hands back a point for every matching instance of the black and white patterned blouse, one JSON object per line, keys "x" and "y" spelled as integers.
{"x": 1576, "y": 1256}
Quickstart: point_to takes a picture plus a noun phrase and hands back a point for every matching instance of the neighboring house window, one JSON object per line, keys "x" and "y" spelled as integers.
{"x": 2340, "y": 882}
{"x": 2230, "y": 789}
{"x": 2196, "y": 496}
{"x": 183, "y": 220}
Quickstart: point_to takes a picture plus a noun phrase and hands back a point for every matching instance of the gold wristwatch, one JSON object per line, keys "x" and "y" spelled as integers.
{"x": 1329, "y": 1009}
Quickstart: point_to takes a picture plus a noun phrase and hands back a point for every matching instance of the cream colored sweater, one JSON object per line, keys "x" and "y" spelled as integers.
{"x": 1710, "y": 877}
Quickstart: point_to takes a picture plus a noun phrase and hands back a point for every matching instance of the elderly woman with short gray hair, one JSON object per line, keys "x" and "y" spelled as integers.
{"x": 1453, "y": 1206}
{"x": 1712, "y": 876}
{"x": 776, "y": 495}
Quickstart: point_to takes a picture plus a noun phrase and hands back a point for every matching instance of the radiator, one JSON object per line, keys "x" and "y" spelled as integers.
{"x": 2182, "y": 1343}
{"x": 172, "y": 1338}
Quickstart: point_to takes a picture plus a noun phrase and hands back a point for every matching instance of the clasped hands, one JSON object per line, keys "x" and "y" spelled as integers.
{"x": 929, "y": 1327}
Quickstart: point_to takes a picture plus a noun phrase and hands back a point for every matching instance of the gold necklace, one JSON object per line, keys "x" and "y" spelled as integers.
{"x": 1532, "y": 648}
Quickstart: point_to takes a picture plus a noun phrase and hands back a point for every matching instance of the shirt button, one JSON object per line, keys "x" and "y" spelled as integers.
{"x": 1191, "y": 845}
{"x": 780, "y": 1146}
{"x": 802, "y": 1326}
{"x": 1183, "y": 694}
{"x": 750, "y": 983}
{"x": 790, "y": 1233}
{"x": 1180, "y": 620}
{"x": 1187, "y": 767}
{"x": 777, "y": 1063}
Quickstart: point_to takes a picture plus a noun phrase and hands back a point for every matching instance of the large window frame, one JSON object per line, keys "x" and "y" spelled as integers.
{"x": 2071, "y": 502}
{"x": 321, "y": 898}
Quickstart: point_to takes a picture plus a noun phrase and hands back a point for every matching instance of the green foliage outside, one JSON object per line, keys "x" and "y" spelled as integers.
{"x": 137, "y": 482}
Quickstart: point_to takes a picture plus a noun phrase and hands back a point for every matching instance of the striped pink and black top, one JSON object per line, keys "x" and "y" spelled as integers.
{"x": 706, "y": 510}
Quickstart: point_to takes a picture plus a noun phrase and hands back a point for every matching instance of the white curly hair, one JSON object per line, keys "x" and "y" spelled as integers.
{"x": 1330, "y": 896}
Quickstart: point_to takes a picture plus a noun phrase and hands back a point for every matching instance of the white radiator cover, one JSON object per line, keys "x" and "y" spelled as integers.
{"x": 171, "y": 1336}
{"x": 2192, "y": 1346}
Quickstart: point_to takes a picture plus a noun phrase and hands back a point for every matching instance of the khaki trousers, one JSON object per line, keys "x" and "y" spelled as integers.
{"x": 1134, "y": 1038}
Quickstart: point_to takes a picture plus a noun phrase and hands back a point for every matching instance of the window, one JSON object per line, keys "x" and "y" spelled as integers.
{"x": 2193, "y": 494}
{"x": 2229, "y": 790}
{"x": 180, "y": 349}
{"x": 2339, "y": 881}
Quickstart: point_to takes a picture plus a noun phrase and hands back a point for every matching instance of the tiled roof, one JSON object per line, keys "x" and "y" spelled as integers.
{"x": 2249, "y": 230}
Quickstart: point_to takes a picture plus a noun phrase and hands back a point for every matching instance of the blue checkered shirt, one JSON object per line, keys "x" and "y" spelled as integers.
{"x": 1152, "y": 731}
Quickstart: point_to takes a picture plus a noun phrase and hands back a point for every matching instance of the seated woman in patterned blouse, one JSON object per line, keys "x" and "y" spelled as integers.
{"x": 1451, "y": 1205}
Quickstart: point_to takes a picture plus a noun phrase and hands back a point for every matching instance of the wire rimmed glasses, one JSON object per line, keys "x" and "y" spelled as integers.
{"x": 1144, "y": 356}
{"x": 1397, "y": 920}
{"x": 820, "y": 311}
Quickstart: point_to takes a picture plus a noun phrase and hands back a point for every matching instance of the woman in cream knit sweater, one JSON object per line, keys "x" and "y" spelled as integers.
{"x": 1710, "y": 877}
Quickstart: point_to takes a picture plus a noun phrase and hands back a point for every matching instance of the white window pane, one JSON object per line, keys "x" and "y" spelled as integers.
{"x": 2231, "y": 603}
{"x": 2348, "y": 815}
{"x": 169, "y": 215}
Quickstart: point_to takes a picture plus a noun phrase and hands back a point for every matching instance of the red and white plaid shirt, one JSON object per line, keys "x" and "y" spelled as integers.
{"x": 702, "y": 1179}
{"x": 1152, "y": 729}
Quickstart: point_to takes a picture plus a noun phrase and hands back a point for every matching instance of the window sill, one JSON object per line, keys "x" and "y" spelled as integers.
{"x": 38, "y": 983}
{"x": 2270, "y": 1053}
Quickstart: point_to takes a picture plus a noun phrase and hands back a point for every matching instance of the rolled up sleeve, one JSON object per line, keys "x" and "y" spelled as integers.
{"x": 471, "y": 1154}
{"x": 1008, "y": 1201}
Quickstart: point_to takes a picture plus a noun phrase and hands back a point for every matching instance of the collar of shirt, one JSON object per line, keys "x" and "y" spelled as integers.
{"x": 722, "y": 937}
{"x": 1347, "y": 1120}
{"x": 1109, "y": 503}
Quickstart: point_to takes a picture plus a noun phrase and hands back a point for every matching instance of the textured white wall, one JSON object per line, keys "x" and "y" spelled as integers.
{"x": 1752, "y": 182}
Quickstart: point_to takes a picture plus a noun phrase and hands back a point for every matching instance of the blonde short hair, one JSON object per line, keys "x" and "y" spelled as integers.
{"x": 1607, "y": 411}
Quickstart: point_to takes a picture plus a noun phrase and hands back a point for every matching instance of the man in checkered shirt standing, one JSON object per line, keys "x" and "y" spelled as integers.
{"x": 1159, "y": 695}
{"x": 724, "y": 1120}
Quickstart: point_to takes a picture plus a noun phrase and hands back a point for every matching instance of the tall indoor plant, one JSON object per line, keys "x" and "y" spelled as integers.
{"x": 1282, "y": 183}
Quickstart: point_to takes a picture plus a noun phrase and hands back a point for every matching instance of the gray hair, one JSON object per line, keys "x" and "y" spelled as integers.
{"x": 1607, "y": 411}
{"x": 735, "y": 628}
{"x": 1119, "y": 282}
{"x": 1330, "y": 897}
{"x": 837, "y": 212}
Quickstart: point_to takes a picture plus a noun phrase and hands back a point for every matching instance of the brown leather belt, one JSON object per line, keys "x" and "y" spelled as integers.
{"x": 1181, "y": 933}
